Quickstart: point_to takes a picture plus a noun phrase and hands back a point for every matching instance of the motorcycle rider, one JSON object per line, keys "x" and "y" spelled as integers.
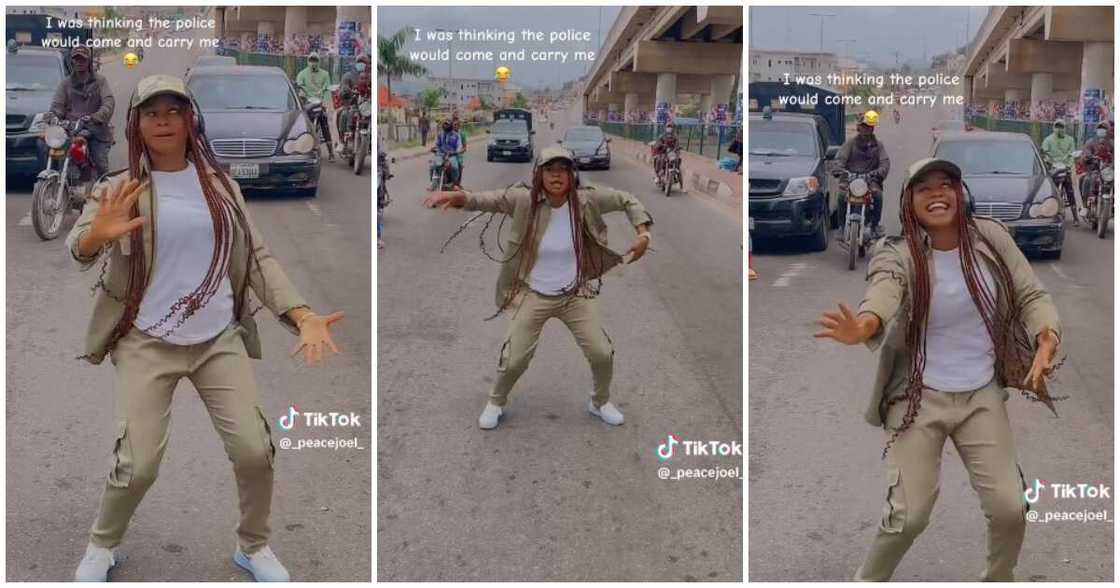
{"x": 449, "y": 142}
{"x": 355, "y": 86}
{"x": 315, "y": 83}
{"x": 866, "y": 153}
{"x": 1097, "y": 152}
{"x": 85, "y": 95}
{"x": 455, "y": 126}
{"x": 1057, "y": 148}
{"x": 665, "y": 143}
{"x": 897, "y": 116}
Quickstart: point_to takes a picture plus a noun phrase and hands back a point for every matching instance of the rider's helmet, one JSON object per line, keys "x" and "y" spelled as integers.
{"x": 869, "y": 118}
{"x": 314, "y": 56}
{"x": 1060, "y": 124}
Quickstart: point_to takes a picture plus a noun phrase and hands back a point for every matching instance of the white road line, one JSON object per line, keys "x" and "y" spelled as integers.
{"x": 794, "y": 270}
{"x": 25, "y": 221}
{"x": 314, "y": 209}
{"x": 1066, "y": 280}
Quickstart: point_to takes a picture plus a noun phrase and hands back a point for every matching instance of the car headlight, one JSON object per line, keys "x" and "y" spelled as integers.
{"x": 364, "y": 108}
{"x": 37, "y": 123}
{"x": 1106, "y": 174}
{"x": 801, "y": 186}
{"x": 55, "y": 137}
{"x": 301, "y": 144}
{"x": 1048, "y": 207}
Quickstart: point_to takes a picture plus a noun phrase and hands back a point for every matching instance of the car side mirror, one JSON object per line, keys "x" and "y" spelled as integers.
{"x": 830, "y": 153}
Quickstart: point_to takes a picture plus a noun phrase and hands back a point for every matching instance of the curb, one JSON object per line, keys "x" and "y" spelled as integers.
{"x": 711, "y": 187}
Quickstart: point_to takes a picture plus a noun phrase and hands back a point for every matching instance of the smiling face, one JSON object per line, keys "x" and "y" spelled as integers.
{"x": 163, "y": 125}
{"x": 557, "y": 177}
{"x": 935, "y": 200}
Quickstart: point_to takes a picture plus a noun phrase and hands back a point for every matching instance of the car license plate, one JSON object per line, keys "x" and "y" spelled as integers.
{"x": 244, "y": 171}
{"x": 507, "y": 153}
{"x": 585, "y": 160}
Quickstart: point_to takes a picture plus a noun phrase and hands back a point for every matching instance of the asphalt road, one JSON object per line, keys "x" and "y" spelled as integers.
{"x": 816, "y": 480}
{"x": 59, "y": 410}
{"x": 554, "y": 493}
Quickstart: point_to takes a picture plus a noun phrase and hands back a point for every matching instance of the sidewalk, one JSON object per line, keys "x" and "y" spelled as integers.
{"x": 701, "y": 174}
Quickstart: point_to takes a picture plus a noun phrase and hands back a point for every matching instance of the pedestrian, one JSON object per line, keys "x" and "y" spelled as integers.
{"x": 736, "y": 147}
{"x": 425, "y": 126}
{"x": 961, "y": 317}
{"x": 187, "y": 317}
{"x": 560, "y": 222}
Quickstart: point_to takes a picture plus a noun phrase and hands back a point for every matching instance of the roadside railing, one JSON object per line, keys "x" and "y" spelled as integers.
{"x": 1036, "y": 130}
{"x": 709, "y": 140}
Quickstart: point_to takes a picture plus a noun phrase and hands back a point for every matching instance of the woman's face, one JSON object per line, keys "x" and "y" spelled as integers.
{"x": 557, "y": 176}
{"x": 163, "y": 125}
{"x": 935, "y": 200}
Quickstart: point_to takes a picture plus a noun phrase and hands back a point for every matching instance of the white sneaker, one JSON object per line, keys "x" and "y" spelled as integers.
{"x": 489, "y": 417}
{"x": 607, "y": 412}
{"x": 95, "y": 566}
{"x": 263, "y": 564}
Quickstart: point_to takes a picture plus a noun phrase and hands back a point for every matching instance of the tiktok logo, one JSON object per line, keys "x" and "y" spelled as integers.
{"x": 665, "y": 450}
{"x": 1033, "y": 494}
{"x": 289, "y": 421}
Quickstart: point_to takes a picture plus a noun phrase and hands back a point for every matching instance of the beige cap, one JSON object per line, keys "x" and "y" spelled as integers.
{"x": 554, "y": 152}
{"x": 923, "y": 166}
{"x": 152, "y": 86}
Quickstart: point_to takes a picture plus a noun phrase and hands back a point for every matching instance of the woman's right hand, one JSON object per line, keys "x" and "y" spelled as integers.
{"x": 113, "y": 217}
{"x": 445, "y": 200}
{"x": 846, "y": 327}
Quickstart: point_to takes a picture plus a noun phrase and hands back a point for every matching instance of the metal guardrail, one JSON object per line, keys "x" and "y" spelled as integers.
{"x": 709, "y": 140}
{"x": 336, "y": 65}
{"x": 1036, "y": 130}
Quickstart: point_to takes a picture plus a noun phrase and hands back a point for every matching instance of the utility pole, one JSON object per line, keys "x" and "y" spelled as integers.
{"x": 821, "y": 16}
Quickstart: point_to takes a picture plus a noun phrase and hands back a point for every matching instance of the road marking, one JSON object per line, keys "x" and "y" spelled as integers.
{"x": 25, "y": 221}
{"x": 793, "y": 271}
{"x": 1066, "y": 279}
{"x": 315, "y": 209}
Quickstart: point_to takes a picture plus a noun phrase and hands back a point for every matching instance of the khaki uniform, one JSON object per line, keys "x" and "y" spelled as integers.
{"x": 147, "y": 370}
{"x": 976, "y": 421}
{"x": 530, "y": 310}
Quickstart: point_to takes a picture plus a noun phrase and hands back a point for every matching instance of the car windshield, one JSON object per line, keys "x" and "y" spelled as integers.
{"x": 510, "y": 127}
{"x": 782, "y": 139}
{"x": 950, "y": 125}
{"x": 990, "y": 157}
{"x": 242, "y": 93}
{"x": 27, "y": 73}
{"x": 583, "y": 135}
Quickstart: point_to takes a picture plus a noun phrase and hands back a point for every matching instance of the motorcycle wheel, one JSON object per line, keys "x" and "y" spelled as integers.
{"x": 853, "y": 244}
{"x": 1102, "y": 218}
{"x": 360, "y": 158}
{"x": 667, "y": 183}
{"x": 47, "y": 212}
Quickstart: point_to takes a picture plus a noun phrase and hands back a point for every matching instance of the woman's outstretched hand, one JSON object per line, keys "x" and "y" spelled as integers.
{"x": 114, "y": 216}
{"x": 445, "y": 200}
{"x": 315, "y": 336}
{"x": 846, "y": 327}
{"x": 1043, "y": 363}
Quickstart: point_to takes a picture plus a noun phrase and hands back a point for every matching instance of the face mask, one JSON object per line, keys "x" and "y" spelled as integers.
{"x": 360, "y": 66}
{"x": 1102, "y": 133}
{"x": 1060, "y": 131}
{"x": 314, "y": 67}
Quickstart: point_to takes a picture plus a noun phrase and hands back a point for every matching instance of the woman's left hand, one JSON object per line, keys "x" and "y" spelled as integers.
{"x": 1043, "y": 363}
{"x": 638, "y": 249}
{"x": 315, "y": 335}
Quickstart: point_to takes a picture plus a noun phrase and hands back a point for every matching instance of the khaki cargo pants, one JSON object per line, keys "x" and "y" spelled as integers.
{"x": 147, "y": 370}
{"x": 581, "y": 316}
{"x": 977, "y": 423}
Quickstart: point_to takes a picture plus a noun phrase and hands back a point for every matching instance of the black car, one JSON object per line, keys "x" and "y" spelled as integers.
{"x": 788, "y": 181}
{"x": 32, "y": 76}
{"x": 210, "y": 60}
{"x": 256, "y": 127}
{"x": 589, "y": 146}
{"x": 1007, "y": 181}
{"x": 510, "y": 139}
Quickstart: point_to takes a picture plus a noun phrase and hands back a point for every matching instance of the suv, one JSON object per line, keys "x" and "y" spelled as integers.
{"x": 789, "y": 194}
{"x": 510, "y": 139}
{"x": 1007, "y": 181}
{"x": 32, "y": 76}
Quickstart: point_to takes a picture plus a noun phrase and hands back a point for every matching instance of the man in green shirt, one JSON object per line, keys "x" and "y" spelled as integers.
{"x": 315, "y": 83}
{"x": 1057, "y": 148}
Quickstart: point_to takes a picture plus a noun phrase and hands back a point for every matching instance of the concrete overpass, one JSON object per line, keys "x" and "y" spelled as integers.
{"x": 286, "y": 22}
{"x": 653, "y": 55}
{"x": 1041, "y": 53}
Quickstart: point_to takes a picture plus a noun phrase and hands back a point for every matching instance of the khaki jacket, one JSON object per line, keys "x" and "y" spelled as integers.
{"x": 594, "y": 201}
{"x": 888, "y": 297}
{"x": 275, "y": 291}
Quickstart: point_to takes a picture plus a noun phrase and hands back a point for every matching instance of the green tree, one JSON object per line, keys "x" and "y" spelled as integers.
{"x": 393, "y": 62}
{"x": 485, "y": 103}
{"x": 520, "y": 101}
{"x": 430, "y": 99}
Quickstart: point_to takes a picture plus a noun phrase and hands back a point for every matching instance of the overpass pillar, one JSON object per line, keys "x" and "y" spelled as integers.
{"x": 665, "y": 96}
{"x": 1012, "y": 95}
{"x": 631, "y": 104}
{"x": 715, "y": 104}
{"x": 1042, "y": 88}
{"x": 1096, "y": 73}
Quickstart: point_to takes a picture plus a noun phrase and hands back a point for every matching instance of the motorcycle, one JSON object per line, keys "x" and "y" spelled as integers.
{"x": 1060, "y": 174}
{"x": 855, "y": 190}
{"x": 441, "y": 172}
{"x": 359, "y": 136}
{"x": 670, "y": 172}
{"x": 383, "y": 176}
{"x": 58, "y": 191}
{"x": 316, "y": 112}
{"x": 1099, "y": 197}
{"x": 897, "y": 117}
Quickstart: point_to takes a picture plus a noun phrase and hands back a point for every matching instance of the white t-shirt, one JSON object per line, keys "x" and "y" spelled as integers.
{"x": 555, "y": 268}
{"x": 184, "y": 246}
{"x": 960, "y": 356}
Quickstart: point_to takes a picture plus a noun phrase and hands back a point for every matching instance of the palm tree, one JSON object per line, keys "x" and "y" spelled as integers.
{"x": 393, "y": 62}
